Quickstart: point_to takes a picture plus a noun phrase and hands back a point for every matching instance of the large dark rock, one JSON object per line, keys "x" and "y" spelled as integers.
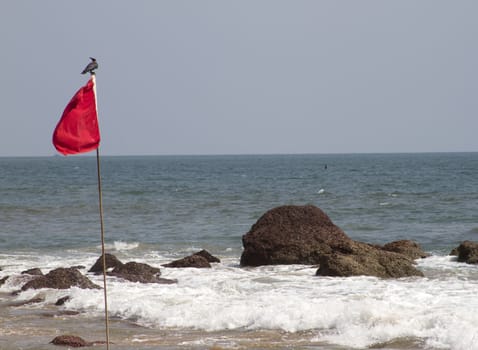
{"x": 468, "y": 252}
{"x": 290, "y": 235}
{"x": 111, "y": 262}
{"x": 61, "y": 278}
{"x": 406, "y": 247}
{"x": 138, "y": 272}
{"x": 306, "y": 235}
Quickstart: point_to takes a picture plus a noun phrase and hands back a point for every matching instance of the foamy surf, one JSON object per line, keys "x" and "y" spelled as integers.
{"x": 359, "y": 312}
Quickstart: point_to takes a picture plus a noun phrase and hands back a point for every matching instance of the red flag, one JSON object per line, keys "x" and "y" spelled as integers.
{"x": 78, "y": 130}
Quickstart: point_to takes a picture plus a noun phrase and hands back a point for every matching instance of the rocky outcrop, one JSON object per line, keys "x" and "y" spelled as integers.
{"x": 201, "y": 259}
{"x": 138, "y": 272}
{"x": 406, "y": 247}
{"x": 111, "y": 262}
{"x": 290, "y": 235}
{"x": 306, "y": 235}
{"x": 61, "y": 278}
{"x": 365, "y": 260}
{"x": 131, "y": 271}
{"x": 467, "y": 252}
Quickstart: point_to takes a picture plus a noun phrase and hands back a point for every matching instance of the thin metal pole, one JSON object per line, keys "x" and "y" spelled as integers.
{"x": 100, "y": 198}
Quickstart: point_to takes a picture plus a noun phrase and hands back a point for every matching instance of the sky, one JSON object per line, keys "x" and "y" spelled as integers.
{"x": 244, "y": 77}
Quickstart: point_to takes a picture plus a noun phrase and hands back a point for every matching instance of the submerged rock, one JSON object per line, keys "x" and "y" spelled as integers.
{"x": 190, "y": 261}
{"x": 201, "y": 259}
{"x": 111, "y": 262}
{"x": 306, "y": 235}
{"x": 208, "y": 256}
{"x": 35, "y": 272}
{"x": 3, "y": 280}
{"x": 138, "y": 272}
{"x": 39, "y": 298}
{"x": 468, "y": 252}
{"x": 61, "y": 278}
{"x": 62, "y": 300}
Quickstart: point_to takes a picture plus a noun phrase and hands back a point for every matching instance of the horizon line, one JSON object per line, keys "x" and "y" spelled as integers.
{"x": 233, "y": 154}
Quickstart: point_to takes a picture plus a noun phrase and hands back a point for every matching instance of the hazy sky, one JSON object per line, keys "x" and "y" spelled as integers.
{"x": 241, "y": 77}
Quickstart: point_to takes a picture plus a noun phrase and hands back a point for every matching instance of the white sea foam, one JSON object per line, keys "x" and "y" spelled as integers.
{"x": 119, "y": 245}
{"x": 355, "y": 312}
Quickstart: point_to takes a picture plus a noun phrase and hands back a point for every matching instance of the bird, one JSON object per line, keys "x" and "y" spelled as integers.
{"x": 90, "y": 67}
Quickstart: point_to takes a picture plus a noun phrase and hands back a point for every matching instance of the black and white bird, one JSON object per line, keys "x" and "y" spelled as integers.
{"x": 91, "y": 66}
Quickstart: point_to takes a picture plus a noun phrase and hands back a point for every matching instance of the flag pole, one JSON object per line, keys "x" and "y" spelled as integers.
{"x": 100, "y": 202}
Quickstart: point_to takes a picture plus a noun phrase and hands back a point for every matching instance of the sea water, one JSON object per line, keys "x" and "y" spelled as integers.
{"x": 161, "y": 208}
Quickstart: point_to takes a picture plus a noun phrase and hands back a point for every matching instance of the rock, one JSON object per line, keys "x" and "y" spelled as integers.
{"x": 366, "y": 260}
{"x": 39, "y": 298}
{"x": 138, "y": 272}
{"x": 34, "y": 272}
{"x": 197, "y": 261}
{"x": 62, "y": 300}
{"x": 201, "y": 259}
{"x": 61, "y": 278}
{"x": 468, "y": 252}
{"x": 290, "y": 235}
{"x": 70, "y": 340}
{"x": 406, "y": 247}
{"x": 208, "y": 256}
{"x": 3, "y": 280}
{"x": 111, "y": 262}
{"x": 306, "y": 235}
{"x": 454, "y": 252}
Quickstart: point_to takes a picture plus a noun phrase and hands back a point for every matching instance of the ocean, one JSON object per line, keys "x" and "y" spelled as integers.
{"x": 161, "y": 208}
